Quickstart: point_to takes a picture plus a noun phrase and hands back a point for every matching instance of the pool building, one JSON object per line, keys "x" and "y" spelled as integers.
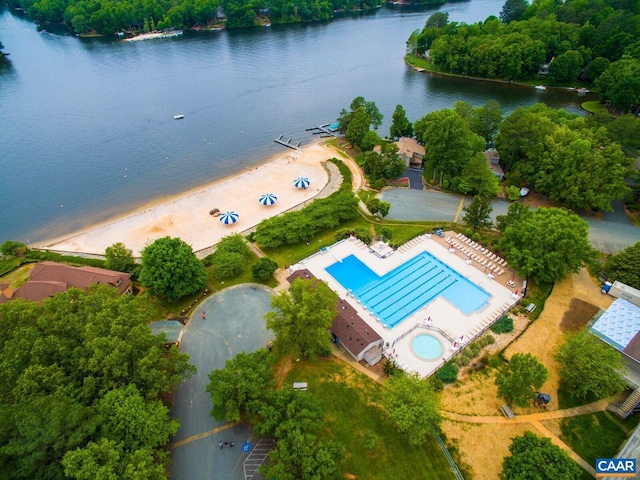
{"x": 423, "y": 300}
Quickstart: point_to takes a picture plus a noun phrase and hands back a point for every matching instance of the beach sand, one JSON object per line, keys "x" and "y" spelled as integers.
{"x": 187, "y": 215}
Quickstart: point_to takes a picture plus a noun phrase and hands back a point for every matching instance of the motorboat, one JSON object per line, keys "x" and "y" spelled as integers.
{"x": 540, "y": 87}
{"x": 178, "y": 117}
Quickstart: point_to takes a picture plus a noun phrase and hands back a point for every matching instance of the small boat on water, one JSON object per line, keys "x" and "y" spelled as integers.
{"x": 178, "y": 117}
{"x": 540, "y": 87}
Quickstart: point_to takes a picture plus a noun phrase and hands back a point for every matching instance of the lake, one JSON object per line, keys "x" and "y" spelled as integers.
{"x": 87, "y": 129}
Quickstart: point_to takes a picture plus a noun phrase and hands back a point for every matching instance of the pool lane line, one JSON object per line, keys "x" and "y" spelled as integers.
{"x": 455, "y": 219}
{"x": 199, "y": 436}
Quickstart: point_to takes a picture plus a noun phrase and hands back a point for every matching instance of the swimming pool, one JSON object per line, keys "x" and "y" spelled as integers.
{"x": 426, "y": 346}
{"x": 408, "y": 287}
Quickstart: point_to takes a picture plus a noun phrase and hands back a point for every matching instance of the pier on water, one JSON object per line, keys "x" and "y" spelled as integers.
{"x": 326, "y": 130}
{"x": 287, "y": 143}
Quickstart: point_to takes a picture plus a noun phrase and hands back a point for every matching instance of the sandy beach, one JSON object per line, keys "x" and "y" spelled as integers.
{"x": 187, "y": 215}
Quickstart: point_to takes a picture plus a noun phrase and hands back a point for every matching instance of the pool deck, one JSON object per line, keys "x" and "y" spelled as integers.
{"x": 448, "y": 324}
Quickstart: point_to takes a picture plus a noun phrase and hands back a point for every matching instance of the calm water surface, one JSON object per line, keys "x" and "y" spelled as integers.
{"x": 87, "y": 129}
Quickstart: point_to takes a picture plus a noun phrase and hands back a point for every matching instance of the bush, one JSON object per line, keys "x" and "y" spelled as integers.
{"x": 370, "y": 441}
{"x": 504, "y": 325}
{"x": 513, "y": 193}
{"x": 378, "y": 184}
{"x": 227, "y": 264}
{"x": 448, "y": 373}
{"x": 233, "y": 243}
{"x": 14, "y": 248}
{"x": 436, "y": 384}
{"x": 390, "y": 368}
{"x": 386, "y": 232}
{"x": 263, "y": 269}
{"x": 363, "y": 234}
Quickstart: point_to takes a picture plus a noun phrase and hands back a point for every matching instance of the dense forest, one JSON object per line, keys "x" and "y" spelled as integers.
{"x": 111, "y": 16}
{"x": 593, "y": 41}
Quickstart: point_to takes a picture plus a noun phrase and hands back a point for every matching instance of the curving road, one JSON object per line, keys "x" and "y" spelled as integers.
{"x": 610, "y": 234}
{"x": 234, "y": 323}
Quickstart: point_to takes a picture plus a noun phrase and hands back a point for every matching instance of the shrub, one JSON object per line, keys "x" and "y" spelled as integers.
{"x": 227, "y": 264}
{"x": 370, "y": 441}
{"x": 504, "y": 325}
{"x": 263, "y": 269}
{"x": 233, "y": 243}
{"x": 386, "y": 232}
{"x": 378, "y": 184}
{"x": 14, "y": 248}
{"x": 363, "y": 234}
{"x": 390, "y": 368}
{"x": 436, "y": 383}
{"x": 513, "y": 193}
{"x": 448, "y": 373}
{"x": 474, "y": 349}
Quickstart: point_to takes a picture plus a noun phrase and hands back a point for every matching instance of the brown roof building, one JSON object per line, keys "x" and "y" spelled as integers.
{"x": 355, "y": 335}
{"x": 48, "y": 278}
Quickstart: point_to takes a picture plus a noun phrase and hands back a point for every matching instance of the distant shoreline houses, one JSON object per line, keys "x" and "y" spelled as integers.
{"x": 49, "y": 278}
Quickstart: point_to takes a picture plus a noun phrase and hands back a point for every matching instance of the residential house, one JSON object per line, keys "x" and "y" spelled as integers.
{"x": 411, "y": 152}
{"x": 493, "y": 160}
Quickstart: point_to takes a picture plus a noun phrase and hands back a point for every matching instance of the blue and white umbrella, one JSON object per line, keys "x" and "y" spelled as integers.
{"x": 301, "y": 182}
{"x": 229, "y": 217}
{"x": 267, "y": 199}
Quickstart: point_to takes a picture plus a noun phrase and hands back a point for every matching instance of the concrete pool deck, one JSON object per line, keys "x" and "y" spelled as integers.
{"x": 447, "y": 324}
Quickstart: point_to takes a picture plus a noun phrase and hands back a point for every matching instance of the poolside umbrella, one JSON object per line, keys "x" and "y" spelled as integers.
{"x": 301, "y": 182}
{"x": 267, "y": 199}
{"x": 229, "y": 217}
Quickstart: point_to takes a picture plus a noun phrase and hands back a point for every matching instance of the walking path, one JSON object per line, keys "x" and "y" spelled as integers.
{"x": 535, "y": 418}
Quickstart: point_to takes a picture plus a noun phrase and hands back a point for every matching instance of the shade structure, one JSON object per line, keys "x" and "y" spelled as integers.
{"x": 229, "y": 217}
{"x": 301, "y": 182}
{"x": 267, "y": 199}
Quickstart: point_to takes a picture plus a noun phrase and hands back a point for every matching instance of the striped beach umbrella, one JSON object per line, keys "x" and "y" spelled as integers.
{"x": 229, "y": 217}
{"x": 267, "y": 199}
{"x": 301, "y": 182}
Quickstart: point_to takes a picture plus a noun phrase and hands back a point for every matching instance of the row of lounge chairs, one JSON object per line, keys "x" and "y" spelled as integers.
{"x": 488, "y": 321}
{"x": 485, "y": 262}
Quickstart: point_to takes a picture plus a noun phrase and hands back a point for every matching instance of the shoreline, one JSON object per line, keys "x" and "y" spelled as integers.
{"x": 186, "y": 214}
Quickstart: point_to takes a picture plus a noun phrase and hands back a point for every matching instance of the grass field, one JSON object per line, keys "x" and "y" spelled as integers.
{"x": 597, "y": 435}
{"x": 353, "y": 417}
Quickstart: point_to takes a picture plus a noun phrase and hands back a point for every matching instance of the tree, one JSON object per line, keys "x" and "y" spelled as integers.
{"x": 625, "y": 130}
{"x": 545, "y": 244}
{"x": 477, "y": 215}
{"x": 565, "y": 67}
{"x": 375, "y": 205}
{"x": 536, "y": 458}
{"x": 86, "y": 375}
{"x": 412, "y": 406}
{"x": 513, "y": 10}
{"x": 625, "y": 266}
{"x": 513, "y": 193}
{"x": 226, "y": 264}
{"x": 370, "y": 140}
{"x": 588, "y": 366}
{"x": 345, "y": 117}
{"x": 485, "y": 120}
{"x": 171, "y": 269}
{"x": 519, "y": 379}
{"x": 477, "y": 178}
{"x": 119, "y": 258}
{"x": 241, "y": 387}
{"x": 263, "y": 269}
{"x": 233, "y": 243}
{"x": 620, "y": 83}
{"x": 449, "y": 142}
{"x": 400, "y": 125}
{"x": 358, "y": 127}
{"x": 580, "y": 171}
{"x": 301, "y": 318}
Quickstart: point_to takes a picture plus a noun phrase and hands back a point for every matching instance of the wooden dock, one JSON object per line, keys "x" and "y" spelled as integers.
{"x": 287, "y": 143}
{"x": 321, "y": 129}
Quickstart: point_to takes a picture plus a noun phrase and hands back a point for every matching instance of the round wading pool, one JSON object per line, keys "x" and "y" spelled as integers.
{"x": 426, "y": 346}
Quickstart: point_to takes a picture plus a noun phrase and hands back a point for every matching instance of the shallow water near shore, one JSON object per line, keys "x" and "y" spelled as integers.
{"x": 87, "y": 124}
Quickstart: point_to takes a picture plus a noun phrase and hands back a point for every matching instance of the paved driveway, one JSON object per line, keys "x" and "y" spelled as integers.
{"x": 234, "y": 323}
{"x": 610, "y": 234}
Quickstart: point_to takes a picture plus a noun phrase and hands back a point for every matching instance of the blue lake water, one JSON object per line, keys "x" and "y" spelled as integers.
{"x": 87, "y": 129}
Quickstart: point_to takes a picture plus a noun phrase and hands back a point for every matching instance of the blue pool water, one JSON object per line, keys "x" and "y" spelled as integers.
{"x": 426, "y": 347}
{"x": 408, "y": 287}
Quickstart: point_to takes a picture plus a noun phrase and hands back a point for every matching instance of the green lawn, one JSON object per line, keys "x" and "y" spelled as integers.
{"x": 349, "y": 402}
{"x": 597, "y": 435}
{"x": 593, "y": 106}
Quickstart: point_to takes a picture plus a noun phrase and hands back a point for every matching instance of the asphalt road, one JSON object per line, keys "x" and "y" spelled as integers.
{"x": 234, "y": 323}
{"x": 610, "y": 234}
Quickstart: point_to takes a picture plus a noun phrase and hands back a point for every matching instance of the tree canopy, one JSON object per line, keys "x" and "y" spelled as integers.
{"x": 588, "y": 366}
{"x": 170, "y": 269}
{"x": 119, "y": 258}
{"x": 400, "y": 125}
{"x": 83, "y": 375}
{"x": 364, "y": 113}
{"x": 544, "y": 244}
{"x": 412, "y": 405}
{"x": 519, "y": 379}
{"x": 477, "y": 215}
{"x": 620, "y": 83}
{"x": 625, "y": 266}
{"x": 536, "y": 458}
{"x": 301, "y": 318}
